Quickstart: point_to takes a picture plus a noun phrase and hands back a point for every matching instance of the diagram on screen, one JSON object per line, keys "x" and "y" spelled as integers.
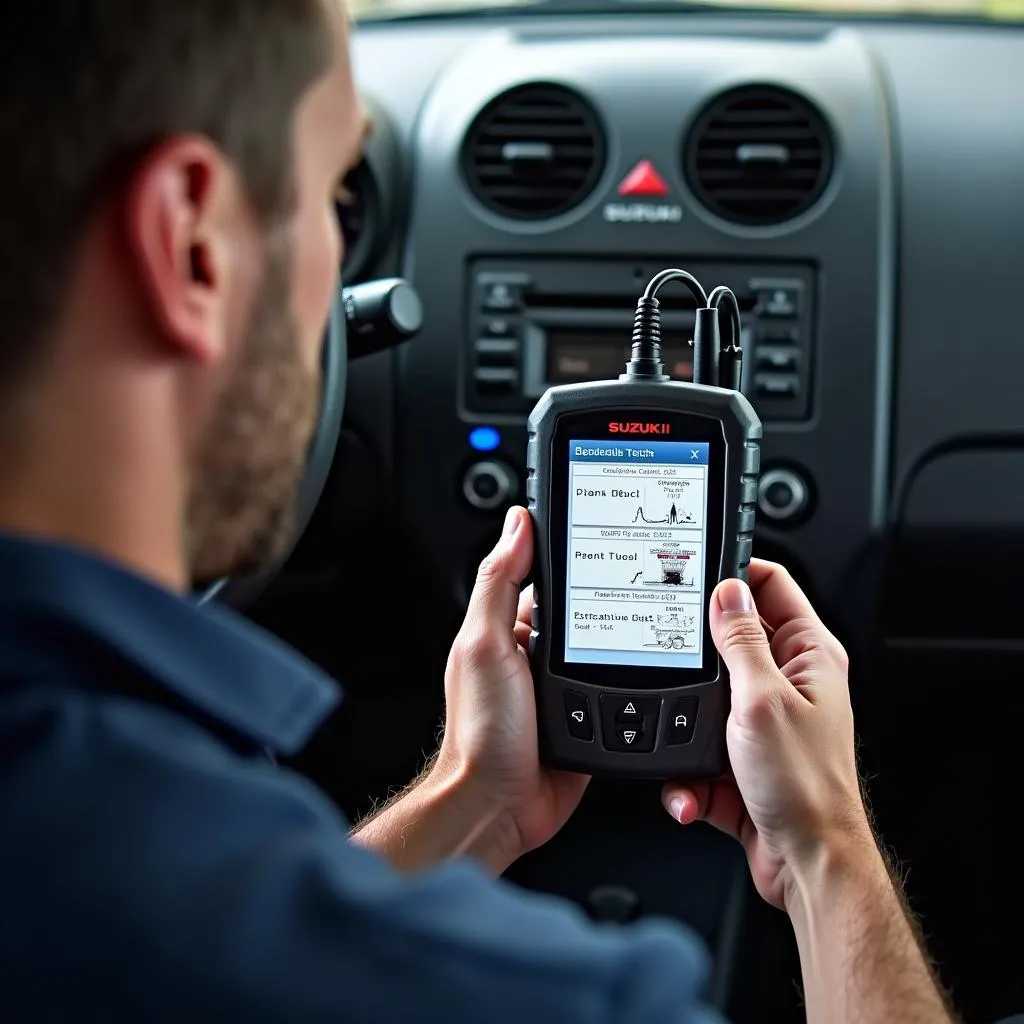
{"x": 673, "y": 632}
{"x": 675, "y": 517}
{"x": 667, "y": 502}
{"x": 671, "y": 566}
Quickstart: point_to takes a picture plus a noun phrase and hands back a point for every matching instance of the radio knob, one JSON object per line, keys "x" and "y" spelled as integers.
{"x": 782, "y": 495}
{"x": 488, "y": 485}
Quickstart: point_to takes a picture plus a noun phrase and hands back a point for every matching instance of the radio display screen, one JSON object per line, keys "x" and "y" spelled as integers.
{"x": 574, "y": 356}
{"x": 637, "y": 533}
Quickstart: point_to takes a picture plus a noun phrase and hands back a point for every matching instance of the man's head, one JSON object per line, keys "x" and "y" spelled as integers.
{"x": 168, "y": 250}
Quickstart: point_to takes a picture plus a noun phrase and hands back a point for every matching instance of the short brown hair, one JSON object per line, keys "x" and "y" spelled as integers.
{"x": 88, "y": 87}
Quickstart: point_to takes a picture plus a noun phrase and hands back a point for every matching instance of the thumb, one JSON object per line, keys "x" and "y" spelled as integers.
{"x": 741, "y": 639}
{"x": 495, "y": 597}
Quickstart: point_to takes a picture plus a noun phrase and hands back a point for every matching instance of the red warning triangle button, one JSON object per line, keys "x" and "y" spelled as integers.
{"x": 643, "y": 180}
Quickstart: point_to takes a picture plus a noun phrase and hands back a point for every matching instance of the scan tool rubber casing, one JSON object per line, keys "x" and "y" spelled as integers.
{"x": 727, "y": 419}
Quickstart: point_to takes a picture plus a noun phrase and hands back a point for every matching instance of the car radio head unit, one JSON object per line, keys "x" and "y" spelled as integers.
{"x": 535, "y": 324}
{"x": 570, "y": 353}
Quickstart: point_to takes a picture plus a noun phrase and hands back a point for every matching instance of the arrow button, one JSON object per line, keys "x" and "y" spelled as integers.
{"x": 629, "y": 722}
{"x": 629, "y": 736}
{"x": 577, "y": 716}
{"x": 629, "y": 713}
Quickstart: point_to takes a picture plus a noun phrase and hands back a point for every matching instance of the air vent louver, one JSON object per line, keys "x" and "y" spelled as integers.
{"x": 759, "y": 156}
{"x": 536, "y": 151}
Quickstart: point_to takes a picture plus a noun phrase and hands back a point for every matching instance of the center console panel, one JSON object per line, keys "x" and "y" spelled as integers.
{"x": 514, "y": 300}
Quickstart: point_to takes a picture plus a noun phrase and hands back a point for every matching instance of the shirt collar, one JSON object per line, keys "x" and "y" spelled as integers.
{"x": 205, "y": 654}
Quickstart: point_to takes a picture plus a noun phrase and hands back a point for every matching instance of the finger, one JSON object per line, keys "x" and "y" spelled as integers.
{"x": 718, "y": 803}
{"x": 523, "y": 632}
{"x": 795, "y": 627}
{"x": 778, "y": 598}
{"x": 742, "y": 642}
{"x": 525, "y": 610}
{"x": 491, "y": 616}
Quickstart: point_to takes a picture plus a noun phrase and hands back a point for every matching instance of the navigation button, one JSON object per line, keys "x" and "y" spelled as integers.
{"x": 625, "y": 730}
{"x": 682, "y": 721}
{"x": 629, "y": 714}
{"x": 577, "y": 716}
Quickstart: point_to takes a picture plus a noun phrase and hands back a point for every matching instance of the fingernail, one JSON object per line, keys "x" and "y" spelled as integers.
{"x": 675, "y": 808}
{"x": 512, "y": 522}
{"x": 735, "y": 596}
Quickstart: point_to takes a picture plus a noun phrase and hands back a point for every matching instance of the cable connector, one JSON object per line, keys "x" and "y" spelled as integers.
{"x": 717, "y": 356}
{"x": 730, "y": 354}
{"x": 705, "y": 346}
{"x": 645, "y": 362}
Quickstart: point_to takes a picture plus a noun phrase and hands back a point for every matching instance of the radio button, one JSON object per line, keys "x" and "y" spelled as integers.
{"x": 497, "y": 351}
{"x": 681, "y": 721}
{"x": 500, "y": 295}
{"x": 487, "y": 485}
{"x": 577, "y": 716}
{"x": 777, "y": 385}
{"x": 783, "y": 495}
{"x": 778, "y": 358}
{"x": 779, "y": 299}
{"x": 497, "y": 327}
{"x": 778, "y": 334}
{"x": 494, "y": 380}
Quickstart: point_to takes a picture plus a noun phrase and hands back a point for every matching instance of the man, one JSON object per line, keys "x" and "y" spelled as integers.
{"x": 168, "y": 252}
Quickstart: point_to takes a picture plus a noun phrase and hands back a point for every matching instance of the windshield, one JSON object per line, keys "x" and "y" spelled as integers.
{"x": 1012, "y": 10}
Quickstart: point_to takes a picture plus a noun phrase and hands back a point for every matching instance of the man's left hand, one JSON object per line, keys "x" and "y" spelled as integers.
{"x": 490, "y": 740}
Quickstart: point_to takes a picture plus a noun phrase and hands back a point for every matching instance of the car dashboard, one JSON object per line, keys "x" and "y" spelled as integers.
{"x": 857, "y": 183}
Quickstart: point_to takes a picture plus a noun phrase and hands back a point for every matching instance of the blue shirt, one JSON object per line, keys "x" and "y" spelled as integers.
{"x": 156, "y": 866}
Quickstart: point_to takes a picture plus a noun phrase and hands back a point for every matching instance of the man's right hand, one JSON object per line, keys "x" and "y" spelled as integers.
{"x": 795, "y": 793}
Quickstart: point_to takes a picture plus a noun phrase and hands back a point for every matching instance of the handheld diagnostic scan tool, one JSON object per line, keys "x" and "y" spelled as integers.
{"x": 643, "y": 493}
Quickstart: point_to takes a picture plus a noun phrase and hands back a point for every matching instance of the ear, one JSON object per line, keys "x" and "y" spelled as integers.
{"x": 182, "y": 206}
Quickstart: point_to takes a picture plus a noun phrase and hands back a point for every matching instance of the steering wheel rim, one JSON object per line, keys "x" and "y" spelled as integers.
{"x": 237, "y": 593}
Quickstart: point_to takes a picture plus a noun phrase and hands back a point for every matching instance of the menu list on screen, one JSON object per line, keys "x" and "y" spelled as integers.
{"x": 635, "y": 560}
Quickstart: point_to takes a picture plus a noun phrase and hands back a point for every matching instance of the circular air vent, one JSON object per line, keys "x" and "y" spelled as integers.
{"x": 759, "y": 156}
{"x": 534, "y": 152}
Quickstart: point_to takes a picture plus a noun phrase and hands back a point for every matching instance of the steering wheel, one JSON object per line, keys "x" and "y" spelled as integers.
{"x": 240, "y": 592}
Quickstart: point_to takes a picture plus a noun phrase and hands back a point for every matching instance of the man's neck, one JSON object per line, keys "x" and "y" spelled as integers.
{"x": 108, "y": 505}
{"x": 116, "y": 541}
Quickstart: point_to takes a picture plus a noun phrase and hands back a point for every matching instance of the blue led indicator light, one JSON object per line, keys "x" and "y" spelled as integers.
{"x": 484, "y": 439}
